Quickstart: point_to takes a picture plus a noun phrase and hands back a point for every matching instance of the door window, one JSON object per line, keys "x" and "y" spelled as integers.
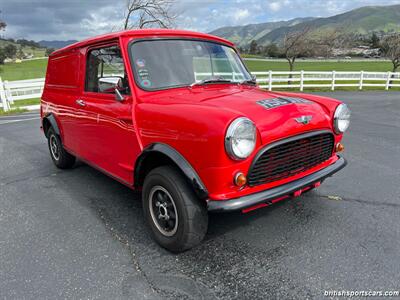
{"x": 105, "y": 71}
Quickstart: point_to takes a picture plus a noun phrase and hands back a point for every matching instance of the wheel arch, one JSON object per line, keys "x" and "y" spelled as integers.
{"x": 50, "y": 121}
{"x": 158, "y": 154}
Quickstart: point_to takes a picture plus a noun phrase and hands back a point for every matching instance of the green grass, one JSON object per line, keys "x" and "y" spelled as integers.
{"x": 25, "y": 70}
{"x": 372, "y": 66}
{"x": 244, "y": 55}
{"x": 37, "y": 68}
{"x": 12, "y": 111}
{"x": 25, "y": 102}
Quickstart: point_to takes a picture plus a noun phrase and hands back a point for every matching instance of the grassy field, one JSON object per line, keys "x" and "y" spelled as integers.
{"x": 372, "y": 66}
{"x": 25, "y": 102}
{"x": 29, "y": 69}
{"x": 37, "y": 68}
{"x": 13, "y": 111}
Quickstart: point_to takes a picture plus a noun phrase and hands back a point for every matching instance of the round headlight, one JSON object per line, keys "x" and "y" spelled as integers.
{"x": 341, "y": 118}
{"x": 240, "y": 138}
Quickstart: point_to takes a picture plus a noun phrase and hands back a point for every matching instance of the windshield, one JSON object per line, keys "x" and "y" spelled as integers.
{"x": 161, "y": 64}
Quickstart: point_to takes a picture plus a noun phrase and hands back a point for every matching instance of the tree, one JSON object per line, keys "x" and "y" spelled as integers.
{"x": 20, "y": 53}
{"x": 49, "y": 51}
{"x": 2, "y": 56}
{"x": 253, "y": 47}
{"x": 272, "y": 50}
{"x": 149, "y": 13}
{"x": 3, "y": 24}
{"x": 390, "y": 47}
{"x": 375, "y": 41}
{"x": 10, "y": 50}
{"x": 295, "y": 44}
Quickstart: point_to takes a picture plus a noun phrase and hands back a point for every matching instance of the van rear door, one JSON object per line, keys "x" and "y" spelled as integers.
{"x": 60, "y": 93}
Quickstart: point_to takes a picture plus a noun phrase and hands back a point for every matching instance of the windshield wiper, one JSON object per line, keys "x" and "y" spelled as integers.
{"x": 210, "y": 80}
{"x": 252, "y": 81}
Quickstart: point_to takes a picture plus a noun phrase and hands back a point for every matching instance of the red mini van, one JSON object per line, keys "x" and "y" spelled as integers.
{"x": 178, "y": 115}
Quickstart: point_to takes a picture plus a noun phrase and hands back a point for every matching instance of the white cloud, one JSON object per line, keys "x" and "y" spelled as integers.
{"x": 241, "y": 14}
{"x": 274, "y": 6}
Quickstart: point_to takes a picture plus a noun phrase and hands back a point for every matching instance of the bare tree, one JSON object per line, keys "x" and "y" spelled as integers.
{"x": 391, "y": 49}
{"x": 149, "y": 13}
{"x": 3, "y": 24}
{"x": 296, "y": 43}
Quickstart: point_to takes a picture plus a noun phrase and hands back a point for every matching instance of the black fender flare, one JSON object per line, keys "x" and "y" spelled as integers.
{"x": 50, "y": 117}
{"x": 179, "y": 160}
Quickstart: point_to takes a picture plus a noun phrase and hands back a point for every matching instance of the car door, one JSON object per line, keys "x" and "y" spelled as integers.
{"x": 107, "y": 136}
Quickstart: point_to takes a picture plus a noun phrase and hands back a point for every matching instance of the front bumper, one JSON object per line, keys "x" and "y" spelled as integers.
{"x": 283, "y": 190}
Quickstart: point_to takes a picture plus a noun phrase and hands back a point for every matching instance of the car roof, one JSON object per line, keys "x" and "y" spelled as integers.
{"x": 143, "y": 33}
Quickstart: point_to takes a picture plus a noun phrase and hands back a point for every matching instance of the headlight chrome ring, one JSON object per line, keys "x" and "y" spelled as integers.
{"x": 341, "y": 118}
{"x": 240, "y": 138}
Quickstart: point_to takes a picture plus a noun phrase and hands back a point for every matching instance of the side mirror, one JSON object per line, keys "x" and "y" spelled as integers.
{"x": 111, "y": 85}
{"x": 253, "y": 77}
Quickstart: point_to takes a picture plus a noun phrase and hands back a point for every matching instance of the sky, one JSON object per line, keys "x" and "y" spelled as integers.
{"x": 79, "y": 19}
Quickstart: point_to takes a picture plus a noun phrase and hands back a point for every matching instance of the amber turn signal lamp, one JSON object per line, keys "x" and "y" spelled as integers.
{"x": 240, "y": 179}
{"x": 339, "y": 147}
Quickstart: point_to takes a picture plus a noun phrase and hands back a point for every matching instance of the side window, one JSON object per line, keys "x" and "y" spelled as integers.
{"x": 105, "y": 70}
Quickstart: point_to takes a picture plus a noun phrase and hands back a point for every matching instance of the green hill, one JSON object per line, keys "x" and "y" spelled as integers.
{"x": 33, "y": 50}
{"x": 361, "y": 21}
{"x": 243, "y": 35}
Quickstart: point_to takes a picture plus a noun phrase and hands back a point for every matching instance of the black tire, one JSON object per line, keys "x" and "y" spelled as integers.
{"x": 190, "y": 224}
{"x": 61, "y": 158}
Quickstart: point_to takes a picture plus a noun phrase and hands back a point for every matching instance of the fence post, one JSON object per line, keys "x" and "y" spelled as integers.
{"x": 3, "y": 96}
{"x": 333, "y": 80}
{"x": 361, "y": 80}
{"x": 389, "y": 75}
{"x": 7, "y": 90}
{"x": 270, "y": 80}
{"x": 301, "y": 80}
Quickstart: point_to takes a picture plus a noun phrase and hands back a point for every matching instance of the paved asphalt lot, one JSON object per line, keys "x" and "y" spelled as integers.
{"x": 80, "y": 234}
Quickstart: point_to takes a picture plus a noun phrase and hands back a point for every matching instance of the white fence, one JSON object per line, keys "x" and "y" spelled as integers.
{"x": 11, "y": 91}
{"x": 313, "y": 79}
{"x": 328, "y": 79}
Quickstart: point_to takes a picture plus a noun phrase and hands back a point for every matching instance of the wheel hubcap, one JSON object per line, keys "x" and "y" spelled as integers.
{"x": 163, "y": 211}
{"x": 54, "y": 147}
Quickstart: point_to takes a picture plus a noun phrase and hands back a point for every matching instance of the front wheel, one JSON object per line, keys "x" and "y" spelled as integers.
{"x": 177, "y": 218}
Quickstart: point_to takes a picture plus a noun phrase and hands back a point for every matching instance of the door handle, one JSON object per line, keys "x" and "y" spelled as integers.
{"x": 80, "y": 102}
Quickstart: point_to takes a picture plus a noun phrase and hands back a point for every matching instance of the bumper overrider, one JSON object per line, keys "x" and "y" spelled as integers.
{"x": 267, "y": 196}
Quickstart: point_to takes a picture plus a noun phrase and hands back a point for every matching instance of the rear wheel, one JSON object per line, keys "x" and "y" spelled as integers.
{"x": 61, "y": 158}
{"x": 177, "y": 218}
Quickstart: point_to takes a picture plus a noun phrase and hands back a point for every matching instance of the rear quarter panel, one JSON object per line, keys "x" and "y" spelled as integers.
{"x": 62, "y": 88}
